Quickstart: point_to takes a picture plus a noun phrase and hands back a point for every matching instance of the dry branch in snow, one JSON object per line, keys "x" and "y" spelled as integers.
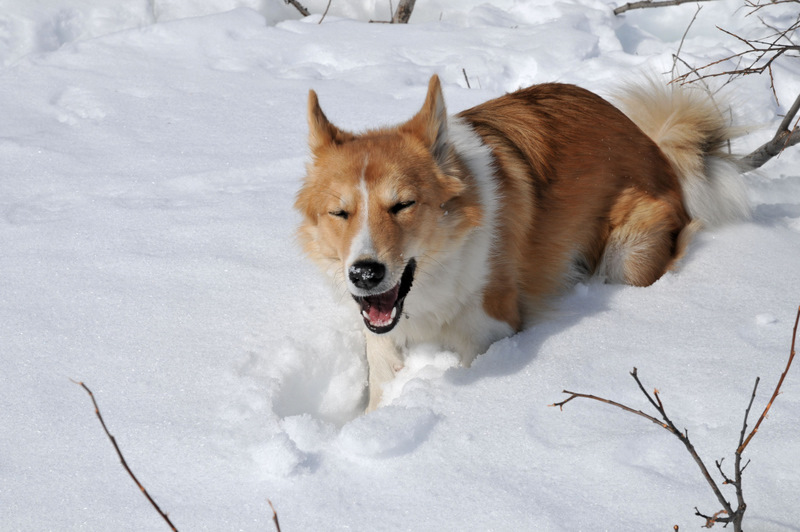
{"x": 652, "y": 3}
{"x": 122, "y": 458}
{"x": 784, "y": 138}
{"x": 303, "y": 11}
{"x": 757, "y": 57}
{"x": 777, "y": 387}
{"x": 727, "y": 514}
{"x": 403, "y": 12}
{"x": 400, "y": 15}
{"x": 274, "y": 516}
{"x": 325, "y": 14}
{"x": 128, "y": 469}
{"x": 759, "y": 53}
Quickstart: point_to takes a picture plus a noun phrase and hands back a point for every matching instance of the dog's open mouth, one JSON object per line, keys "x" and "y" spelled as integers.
{"x": 381, "y": 312}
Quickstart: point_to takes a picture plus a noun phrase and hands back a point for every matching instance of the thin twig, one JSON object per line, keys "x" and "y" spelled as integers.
{"x": 718, "y": 463}
{"x": 752, "y": 69}
{"x": 274, "y": 516}
{"x": 684, "y": 438}
{"x": 747, "y": 413}
{"x": 575, "y": 395}
{"x": 326, "y": 12}
{"x": 666, "y": 424}
{"x": 738, "y": 469}
{"x": 651, "y": 3}
{"x": 683, "y": 38}
{"x": 727, "y": 515}
{"x": 635, "y": 375}
{"x": 692, "y": 70}
{"x": 777, "y": 388}
{"x": 122, "y": 458}
{"x": 712, "y": 519}
{"x": 759, "y": 53}
{"x": 464, "y": 71}
{"x": 303, "y": 11}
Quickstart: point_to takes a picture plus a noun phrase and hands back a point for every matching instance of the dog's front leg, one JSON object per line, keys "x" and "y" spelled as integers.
{"x": 384, "y": 360}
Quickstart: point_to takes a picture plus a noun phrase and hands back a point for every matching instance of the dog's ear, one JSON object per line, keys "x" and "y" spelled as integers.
{"x": 430, "y": 123}
{"x": 321, "y": 132}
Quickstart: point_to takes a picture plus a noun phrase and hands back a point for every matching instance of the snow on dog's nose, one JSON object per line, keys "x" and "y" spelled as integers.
{"x": 366, "y": 274}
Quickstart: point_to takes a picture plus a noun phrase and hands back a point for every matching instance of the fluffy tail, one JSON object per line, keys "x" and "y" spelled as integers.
{"x": 693, "y": 133}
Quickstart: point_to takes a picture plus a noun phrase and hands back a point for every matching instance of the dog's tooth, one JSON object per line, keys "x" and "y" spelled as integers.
{"x": 394, "y": 312}
{"x": 364, "y": 313}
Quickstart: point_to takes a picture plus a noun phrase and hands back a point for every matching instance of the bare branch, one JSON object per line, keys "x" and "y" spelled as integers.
{"x": 403, "y": 12}
{"x": 668, "y": 425}
{"x": 759, "y": 53}
{"x": 738, "y": 469}
{"x": 712, "y": 519}
{"x": 122, "y": 458}
{"x": 784, "y": 137}
{"x": 677, "y": 54}
{"x": 635, "y": 375}
{"x": 747, "y": 414}
{"x": 743, "y": 71}
{"x": 727, "y": 514}
{"x": 777, "y": 388}
{"x": 725, "y": 477}
{"x": 757, "y": 57}
{"x": 274, "y": 516}
{"x": 575, "y": 395}
{"x": 790, "y": 115}
{"x": 303, "y": 11}
{"x": 652, "y": 3}
{"x": 326, "y": 12}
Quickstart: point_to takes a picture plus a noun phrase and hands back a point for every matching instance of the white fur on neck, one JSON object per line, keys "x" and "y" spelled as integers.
{"x": 445, "y": 305}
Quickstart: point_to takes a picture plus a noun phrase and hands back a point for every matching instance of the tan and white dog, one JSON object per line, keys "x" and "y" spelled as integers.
{"x": 458, "y": 230}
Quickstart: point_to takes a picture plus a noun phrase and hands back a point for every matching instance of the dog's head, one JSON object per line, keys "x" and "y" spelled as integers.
{"x": 381, "y": 206}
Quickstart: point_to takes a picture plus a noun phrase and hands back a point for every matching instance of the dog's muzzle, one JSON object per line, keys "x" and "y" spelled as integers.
{"x": 381, "y": 312}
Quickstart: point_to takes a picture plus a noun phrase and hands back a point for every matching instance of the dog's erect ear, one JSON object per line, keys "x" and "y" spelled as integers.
{"x": 321, "y": 132}
{"x": 430, "y": 123}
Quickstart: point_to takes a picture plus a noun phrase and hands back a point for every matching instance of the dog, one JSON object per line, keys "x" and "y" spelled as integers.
{"x": 460, "y": 230}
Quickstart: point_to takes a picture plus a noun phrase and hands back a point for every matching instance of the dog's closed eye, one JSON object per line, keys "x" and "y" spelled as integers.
{"x": 399, "y": 206}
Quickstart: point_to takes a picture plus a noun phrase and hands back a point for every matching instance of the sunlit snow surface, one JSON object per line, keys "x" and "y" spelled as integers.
{"x": 149, "y": 157}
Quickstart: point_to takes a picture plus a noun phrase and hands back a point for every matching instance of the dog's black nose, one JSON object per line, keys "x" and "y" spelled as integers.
{"x": 366, "y": 274}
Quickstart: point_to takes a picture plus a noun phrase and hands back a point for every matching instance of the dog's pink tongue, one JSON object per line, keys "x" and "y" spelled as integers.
{"x": 379, "y": 317}
{"x": 381, "y": 306}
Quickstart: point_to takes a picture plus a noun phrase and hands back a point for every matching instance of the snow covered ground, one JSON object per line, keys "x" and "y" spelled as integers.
{"x": 149, "y": 155}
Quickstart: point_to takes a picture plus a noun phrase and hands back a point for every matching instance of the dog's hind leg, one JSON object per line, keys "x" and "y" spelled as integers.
{"x": 647, "y": 236}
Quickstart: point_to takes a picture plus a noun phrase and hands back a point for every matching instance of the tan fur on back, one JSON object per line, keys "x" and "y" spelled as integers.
{"x": 573, "y": 170}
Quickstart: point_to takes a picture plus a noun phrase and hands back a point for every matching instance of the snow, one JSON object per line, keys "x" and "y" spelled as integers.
{"x": 150, "y": 152}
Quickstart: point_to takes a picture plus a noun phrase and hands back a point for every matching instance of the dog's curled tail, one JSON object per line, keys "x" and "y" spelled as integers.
{"x": 693, "y": 132}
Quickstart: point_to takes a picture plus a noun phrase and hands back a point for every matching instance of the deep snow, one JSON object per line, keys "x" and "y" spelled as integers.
{"x": 149, "y": 155}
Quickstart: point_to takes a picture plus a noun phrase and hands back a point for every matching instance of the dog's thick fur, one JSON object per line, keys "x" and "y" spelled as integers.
{"x": 458, "y": 230}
